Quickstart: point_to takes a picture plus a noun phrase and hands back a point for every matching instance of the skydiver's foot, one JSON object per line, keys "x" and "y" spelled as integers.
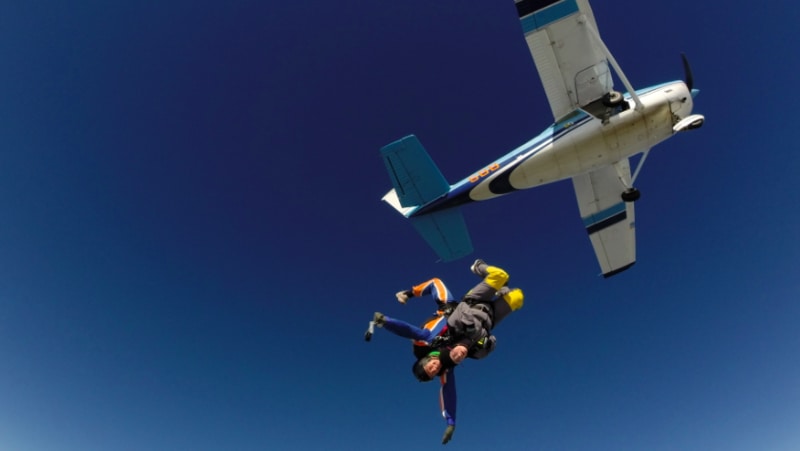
{"x": 379, "y": 319}
{"x": 402, "y": 296}
{"x": 478, "y": 268}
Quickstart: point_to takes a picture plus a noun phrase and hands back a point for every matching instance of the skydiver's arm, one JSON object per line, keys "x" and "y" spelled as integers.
{"x": 447, "y": 397}
{"x": 473, "y": 340}
{"x": 483, "y": 349}
{"x": 406, "y": 330}
{"x": 465, "y": 342}
{"x": 436, "y": 288}
{"x": 458, "y": 353}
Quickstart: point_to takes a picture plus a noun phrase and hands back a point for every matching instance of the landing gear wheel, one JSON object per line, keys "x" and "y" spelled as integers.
{"x": 612, "y": 99}
{"x": 631, "y": 195}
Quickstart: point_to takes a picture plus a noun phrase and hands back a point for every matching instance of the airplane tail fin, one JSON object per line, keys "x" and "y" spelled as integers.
{"x": 416, "y": 178}
{"x": 418, "y": 181}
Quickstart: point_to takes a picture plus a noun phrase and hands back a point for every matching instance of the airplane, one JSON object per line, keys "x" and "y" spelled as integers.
{"x": 596, "y": 131}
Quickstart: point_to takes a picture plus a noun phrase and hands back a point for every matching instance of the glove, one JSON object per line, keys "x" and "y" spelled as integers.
{"x": 448, "y": 433}
{"x": 402, "y": 296}
{"x": 489, "y": 342}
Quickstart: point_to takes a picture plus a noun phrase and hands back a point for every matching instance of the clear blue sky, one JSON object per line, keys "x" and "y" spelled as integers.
{"x": 192, "y": 239}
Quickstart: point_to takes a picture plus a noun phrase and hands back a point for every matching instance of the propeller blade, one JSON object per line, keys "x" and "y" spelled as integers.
{"x": 687, "y": 71}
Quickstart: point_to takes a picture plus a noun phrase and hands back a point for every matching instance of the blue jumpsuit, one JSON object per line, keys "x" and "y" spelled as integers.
{"x": 422, "y": 336}
{"x": 492, "y": 290}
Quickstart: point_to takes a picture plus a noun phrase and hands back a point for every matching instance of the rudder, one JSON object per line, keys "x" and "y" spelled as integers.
{"x": 415, "y": 177}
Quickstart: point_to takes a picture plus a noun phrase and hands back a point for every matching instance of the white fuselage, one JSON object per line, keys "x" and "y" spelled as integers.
{"x": 589, "y": 144}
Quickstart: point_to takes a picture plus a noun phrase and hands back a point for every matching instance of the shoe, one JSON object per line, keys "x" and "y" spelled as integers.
{"x": 379, "y": 319}
{"x": 402, "y": 296}
{"x": 478, "y": 267}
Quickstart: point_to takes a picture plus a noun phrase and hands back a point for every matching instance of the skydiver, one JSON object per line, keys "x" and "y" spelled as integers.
{"x": 456, "y": 331}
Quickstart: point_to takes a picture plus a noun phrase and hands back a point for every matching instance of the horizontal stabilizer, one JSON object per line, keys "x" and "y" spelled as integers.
{"x": 446, "y": 232}
{"x": 416, "y": 178}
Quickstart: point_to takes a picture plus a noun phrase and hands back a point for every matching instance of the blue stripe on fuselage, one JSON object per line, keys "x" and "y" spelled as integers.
{"x": 548, "y": 15}
{"x": 501, "y": 184}
{"x": 459, "y": 193}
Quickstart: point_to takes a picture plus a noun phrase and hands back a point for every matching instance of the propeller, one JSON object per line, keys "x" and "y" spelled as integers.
{"x": 687, "y": 71}
{"x": 692, "y": 121}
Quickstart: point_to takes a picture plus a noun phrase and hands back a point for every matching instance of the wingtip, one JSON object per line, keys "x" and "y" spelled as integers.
{"x": 618, "y": 270}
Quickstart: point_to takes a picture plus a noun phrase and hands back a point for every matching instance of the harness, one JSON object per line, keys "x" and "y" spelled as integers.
{"x": 447, "y": 337}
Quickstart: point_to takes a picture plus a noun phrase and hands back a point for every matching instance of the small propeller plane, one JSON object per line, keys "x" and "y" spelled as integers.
{"x": 596, "y": 130}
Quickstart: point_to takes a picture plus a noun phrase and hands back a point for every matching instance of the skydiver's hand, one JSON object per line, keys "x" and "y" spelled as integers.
{"x": 448, "y": 433}
{"x": 402, "y": 296}
{"x": 458, "y": 353}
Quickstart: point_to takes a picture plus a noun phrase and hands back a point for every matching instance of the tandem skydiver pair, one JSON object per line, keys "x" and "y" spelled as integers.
{"x": 458, "y": 329}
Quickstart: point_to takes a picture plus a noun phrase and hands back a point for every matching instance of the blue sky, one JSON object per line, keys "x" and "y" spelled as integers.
{"x": 192, "y": 238}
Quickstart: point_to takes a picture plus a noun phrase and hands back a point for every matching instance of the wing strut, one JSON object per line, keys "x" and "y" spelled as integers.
{"x": 613, "y": 62}
{"x": 639, "y": 166}
{"x": 635, "y": 172}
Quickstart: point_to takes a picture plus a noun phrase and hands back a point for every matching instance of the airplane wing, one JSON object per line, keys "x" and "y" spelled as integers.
{"x": 563, "y": 40}
{"x": 608, "y": 220}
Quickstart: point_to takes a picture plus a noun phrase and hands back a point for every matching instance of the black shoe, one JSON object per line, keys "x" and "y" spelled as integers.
{"x": 478, "y": 267}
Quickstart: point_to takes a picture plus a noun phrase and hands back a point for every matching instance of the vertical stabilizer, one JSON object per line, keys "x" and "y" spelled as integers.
{"x": 416, "y": 178}
{"x": 418, "y": 181}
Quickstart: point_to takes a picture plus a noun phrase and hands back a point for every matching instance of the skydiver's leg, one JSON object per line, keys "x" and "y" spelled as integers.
{"x": 406, "y": 330}
{"x": 493, "y": 287}
{"x": 494, "y": 279}
{"x": 509, "y": 301}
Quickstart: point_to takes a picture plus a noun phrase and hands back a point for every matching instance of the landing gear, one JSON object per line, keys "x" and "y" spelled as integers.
{"x": 631, "y": 195}
{"x": 613, "y": 99}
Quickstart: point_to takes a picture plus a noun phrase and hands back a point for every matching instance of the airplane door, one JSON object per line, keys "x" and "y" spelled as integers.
{"x": 592, "y": 83}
